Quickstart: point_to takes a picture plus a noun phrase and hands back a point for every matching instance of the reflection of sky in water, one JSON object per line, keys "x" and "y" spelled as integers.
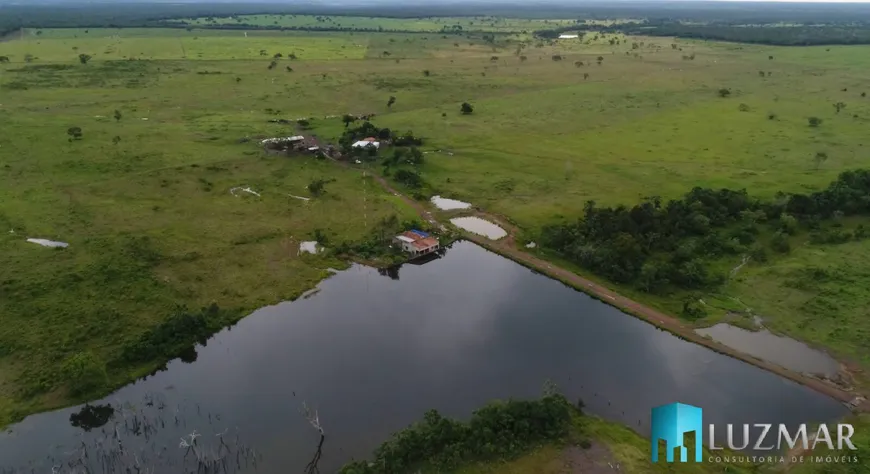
{"x": 788, "y": 353}
{"x": 372, "y": 354}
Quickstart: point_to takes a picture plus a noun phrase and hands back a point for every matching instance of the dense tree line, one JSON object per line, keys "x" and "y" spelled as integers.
{"x": 655, "y": 246}
{"x": 801, "y": 35}
{"x": 773, "y": 35}
{"x": 499, "y": 430}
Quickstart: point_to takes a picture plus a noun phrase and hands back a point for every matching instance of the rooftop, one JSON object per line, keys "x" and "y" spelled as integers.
{"x": 426, "y": 243}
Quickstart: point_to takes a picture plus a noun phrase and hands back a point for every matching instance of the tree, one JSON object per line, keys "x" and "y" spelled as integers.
{"x": 317, "y": 187}
{"x": 820, "y": 158}
{"x": 273, "y": 64}
{"x": 761, "y": 73}
{"x": 743, "y": 108}
{"x": 466, "y": 108}
{"x": 410, "y": 179}
{"x": 4, "y": 59}
{"x": 863, "y": 94}
{"x": 391, "y": 101}
{"x": 75, "y": 133}
{"x": 116, "y": 139}
{"x": 600, "y": 60}
{"x": 415, "y": 156}
{"x": 278, "y": 56}
{"x": 780, "y": 243}
{"x": 117, "y": 115}
{"x": 788, "y": 224}
{"x": 839, "y": 106}
{"x": 348, "y": 119}
{"x": 426, "y": 72}
{"x": 523, "y": 58}
{"x": 771, "y": 116}
{"x": 723, "y": 92}
{"x": 84, "y": 58}
{"x": 814, "y": 121}
{"x": 289, "y": 69}
{"x": 770, "y": 58}
{"x": 585, "y": 76}
{"x": 28, "y": 58}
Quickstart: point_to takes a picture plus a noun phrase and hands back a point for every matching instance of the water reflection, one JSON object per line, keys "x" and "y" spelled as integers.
{"x": 391, "y": 272}
{"x": 784, "y": 351}
{"x": 92, "y": 416}
{"x": 188, "y": 355}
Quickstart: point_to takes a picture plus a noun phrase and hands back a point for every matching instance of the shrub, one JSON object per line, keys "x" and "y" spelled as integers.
{"x": 780, "y": 243}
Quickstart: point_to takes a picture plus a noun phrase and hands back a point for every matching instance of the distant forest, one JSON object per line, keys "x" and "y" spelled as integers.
{"x": 813, "y": 23}
{"x": 806, "y": 34}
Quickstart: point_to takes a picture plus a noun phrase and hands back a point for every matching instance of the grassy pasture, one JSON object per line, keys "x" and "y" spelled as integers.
{"x": 62, "y": 45}
{"x": 542, "y": 140}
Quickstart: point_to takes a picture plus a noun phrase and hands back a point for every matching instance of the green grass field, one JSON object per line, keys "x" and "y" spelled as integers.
{"x": 546, "y": 135}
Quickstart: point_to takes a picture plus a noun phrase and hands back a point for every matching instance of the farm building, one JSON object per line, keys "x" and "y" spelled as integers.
{"x": 366, "y": 142}
{"x": 569, "y": 36}
{"x": 417, "y": 242}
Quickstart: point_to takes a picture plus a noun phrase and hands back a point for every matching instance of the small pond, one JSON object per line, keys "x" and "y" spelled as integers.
{"x": 786, "y": 352}
{"x": 479, "y": 226}
{"x": 449, "y": 204}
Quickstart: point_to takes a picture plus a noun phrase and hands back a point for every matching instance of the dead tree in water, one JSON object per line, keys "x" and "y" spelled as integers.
{"x": 314, "y": 421}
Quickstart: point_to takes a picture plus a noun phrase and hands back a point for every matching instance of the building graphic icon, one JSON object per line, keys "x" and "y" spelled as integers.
{"x": 670, "y": 423}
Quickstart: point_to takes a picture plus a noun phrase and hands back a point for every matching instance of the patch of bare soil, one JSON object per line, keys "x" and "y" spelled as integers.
{"x": 597, "y": 459}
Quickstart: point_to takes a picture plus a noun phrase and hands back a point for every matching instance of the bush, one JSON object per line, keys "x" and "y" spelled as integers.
{"x": 693, "y": 309}
{"x": 84, "y": 373}
{"x": 410, "y": 179}
{"x": 780, "y": 243}
{"x": 831, "y": 236}
{"x": 758, "y": 253}
{"x": 788, "y": 224}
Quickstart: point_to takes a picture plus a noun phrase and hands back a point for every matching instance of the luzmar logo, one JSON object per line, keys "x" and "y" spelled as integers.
{"x": 671, "y": 423}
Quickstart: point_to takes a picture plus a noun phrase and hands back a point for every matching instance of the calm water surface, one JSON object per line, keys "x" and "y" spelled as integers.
{"x": 786, "y": 352}
{"x": 372, "y": 353}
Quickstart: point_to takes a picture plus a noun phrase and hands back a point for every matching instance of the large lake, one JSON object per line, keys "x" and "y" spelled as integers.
{"x": 371, "y": 351}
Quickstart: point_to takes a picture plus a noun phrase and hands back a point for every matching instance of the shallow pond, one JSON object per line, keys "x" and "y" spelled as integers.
{"x": 373, "y": 350}
{"x": 48, "y": 243}
{"x": 479, "y": 226}
{"x": 449, "y": 204}
{"x": 786, "y": 352}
